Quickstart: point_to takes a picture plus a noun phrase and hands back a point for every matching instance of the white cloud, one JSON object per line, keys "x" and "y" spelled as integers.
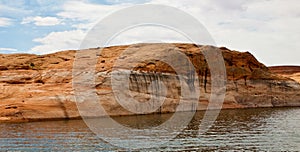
{"x": 58, "y": 41}
{"x": 13, "y": 10}
{"x": 127, "y": 1}
{"x": 144, "y": 34}
{"x": 88, "y": 12}
{"x": 8, "y": 49}
{"x": 269, "y": 29}
{"x": 84, "y": 16}
{"x": 5, "y": 21}
{"x": 261, "y": 27}
{"x": 41, "y": 21}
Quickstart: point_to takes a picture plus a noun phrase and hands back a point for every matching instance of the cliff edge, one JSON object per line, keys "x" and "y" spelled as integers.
{"x": 39, "y": 87}
{"x": 292, "y": 72}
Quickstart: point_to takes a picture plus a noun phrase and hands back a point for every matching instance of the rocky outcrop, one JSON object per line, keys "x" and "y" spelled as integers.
{"x": 39, "y": 87}
{"x": 292, "y": 72}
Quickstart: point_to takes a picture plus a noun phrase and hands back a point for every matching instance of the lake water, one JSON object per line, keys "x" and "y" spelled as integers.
{"x": 242, "y": 129}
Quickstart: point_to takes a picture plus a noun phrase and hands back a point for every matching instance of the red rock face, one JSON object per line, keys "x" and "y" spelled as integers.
{"x": 38, "y": 87}
{"x": 285, "y": 69}
{"x": 292, "y": 72}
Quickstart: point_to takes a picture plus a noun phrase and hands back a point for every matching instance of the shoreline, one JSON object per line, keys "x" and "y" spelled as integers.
{"x": 39, "y": 87}
{"x": 117, "y": 116}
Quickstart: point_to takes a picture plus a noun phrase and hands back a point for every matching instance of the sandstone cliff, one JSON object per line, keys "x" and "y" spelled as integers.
{"x": 292, "y": 72}
{"x": 38, "y": 87}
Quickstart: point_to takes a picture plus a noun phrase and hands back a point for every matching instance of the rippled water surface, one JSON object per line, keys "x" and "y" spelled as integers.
{"x": 241, "y": 129}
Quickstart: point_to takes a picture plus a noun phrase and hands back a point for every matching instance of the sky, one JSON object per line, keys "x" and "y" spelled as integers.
{"x": 269, "y": 29}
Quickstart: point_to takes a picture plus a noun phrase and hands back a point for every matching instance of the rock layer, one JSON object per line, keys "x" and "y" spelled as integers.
{"x": 39, "y": 87}
{"x": 292, "y": 72}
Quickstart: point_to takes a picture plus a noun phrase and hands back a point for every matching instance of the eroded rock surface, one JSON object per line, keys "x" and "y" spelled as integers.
{"x": 292, "y": 72}
{"x": 38, "y": 87}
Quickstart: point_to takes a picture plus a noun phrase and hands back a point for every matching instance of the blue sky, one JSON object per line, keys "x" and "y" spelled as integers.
{"x": 17, "y": 35}
{"x": 269, "y": 29}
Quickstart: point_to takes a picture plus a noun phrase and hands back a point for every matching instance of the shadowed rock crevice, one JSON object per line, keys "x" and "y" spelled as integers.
{"x": 63, "y": 107}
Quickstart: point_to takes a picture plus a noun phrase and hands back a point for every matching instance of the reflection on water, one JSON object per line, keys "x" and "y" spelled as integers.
{"x": 248, "y": 129}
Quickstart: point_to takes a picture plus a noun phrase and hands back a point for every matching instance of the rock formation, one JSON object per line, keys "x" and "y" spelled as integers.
{"x": 292, "y": 72}
{"x": 39, "y": 87}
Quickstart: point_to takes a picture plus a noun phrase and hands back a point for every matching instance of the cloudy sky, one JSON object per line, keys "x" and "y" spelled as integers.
{"x": 269, "y": 29}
